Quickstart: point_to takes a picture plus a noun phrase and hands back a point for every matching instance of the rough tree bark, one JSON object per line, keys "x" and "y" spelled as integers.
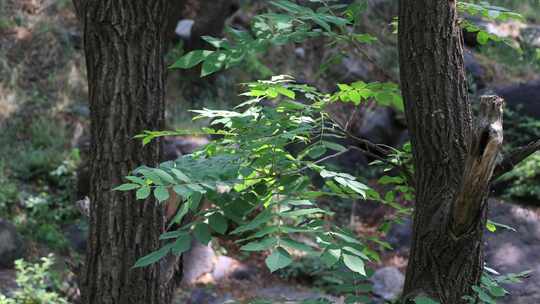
{"x": 124, "y": 42}
{"x": 454, "y": 156}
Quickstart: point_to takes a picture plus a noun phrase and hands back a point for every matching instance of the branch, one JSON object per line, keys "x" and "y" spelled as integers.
{"x": 78, "y": 6}
{"x": 479, "y": 166}
{"x": 515, "y": 157}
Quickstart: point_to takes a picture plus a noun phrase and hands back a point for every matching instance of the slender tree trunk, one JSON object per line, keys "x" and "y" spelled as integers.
{"x": 454, "y": 157}
{"x": 124, "y": 42}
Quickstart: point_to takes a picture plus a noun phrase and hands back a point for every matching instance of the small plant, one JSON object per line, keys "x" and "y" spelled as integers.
{"x": 490, "y": 289}
{"x": 34, "y": 281}
{"x": 8, "y": 191}
{"x": 525, "y": 179}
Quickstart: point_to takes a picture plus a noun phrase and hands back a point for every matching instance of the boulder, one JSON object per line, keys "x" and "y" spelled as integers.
{"x": 11, "y": 244}
{"x": 475, "y": 70}
{"x": 510, "y": 251}
{"x": 388, "y": 283}
{"x": 524, "y": 97}
{"x": 198, "y": 262}
{"x": 400, "y": 236}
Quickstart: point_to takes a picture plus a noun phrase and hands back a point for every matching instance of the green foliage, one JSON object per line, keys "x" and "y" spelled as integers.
{"x": 8, "y": 190}
{"x": 34, "y": 282}
{"x": 520, "y": 130}
{"x": 289, "y": 24}
{"x": 260, "y": 187}
{"x": 32, "y": 152}
{"x": 525, "y": 178}
{"x": 489, "y": 12}
{"x": 490, "y": 288}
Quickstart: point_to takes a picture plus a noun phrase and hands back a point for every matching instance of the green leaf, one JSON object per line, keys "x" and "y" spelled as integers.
{"x": 172, "y": 234}
{"x": 491, "y": 227}
{"x": 260, "y": 245}
{"x": 218, "y": 223}
{"x": 127, "y": 187}
{"x": 287, "y": 242}
{"x": 180, "y": 214}
{"x": 161, "y": 193}
{"x": 191, "y": 59}
{"x": 285, "y": 92}
{"x": 482, "y": 37}
{"x": 143, "y": 192}
{"x": 354, "y": 263}
{"x": 153, "y": 257}
{"x": 260, "y": 219}
{"x": 483, "y": 295}
{"x": 180, "y": 175}
{"x": 279, "y": 259}
{"x": 202, "y": 233}
{"x": 424, "y": 300}
{"x": 181, "y": 245}
{"x": 213, "y": 63}
{"x": 136, "y": 180}
{"x": 331, "y": 256}
{"x": 164, "y": 176}
{"x": 501, "y": 225}
{"x": 183, "y": 191}
{"x": 303, "y": 212}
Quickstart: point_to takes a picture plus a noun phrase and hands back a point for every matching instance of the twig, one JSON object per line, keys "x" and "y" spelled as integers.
{"x": 515, "y": 157}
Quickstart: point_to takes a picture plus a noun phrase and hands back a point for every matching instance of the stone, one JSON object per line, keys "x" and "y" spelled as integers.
{"x": 400, "y": 236}
{"x": 281, "y": 292}
{"x": 183, "y": 28}
{"x": 201, "y": 296}
{"x": 475, "y": 69}
{"x": 11, "y": 244}
{"x": 515, "y": 251}
{"x": 198, "y": 261}
{"x": 388, "y": 283}
{"x": 223, "y": 265}
{"x": 523, "y": 97}
{"x": 243, "y": 273}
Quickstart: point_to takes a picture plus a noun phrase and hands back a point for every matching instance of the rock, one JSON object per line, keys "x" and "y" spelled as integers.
{"x": 201, "y": 296}
{"x": 222, "y": 267}
{"x": 11, "y": 244}
{"x": 388, "y": 283}
{"x": 354, "y": 68}
{"x": 475, "y": 69}
{"x": 198, "y": 261}
{"x": 291, "y": 295}
{"x": 531, "y": 35}
{"x": 243, "y": 273}
{"x": 400, "y": 236}
{"x": 380, "y": 125}
{"x": 8, "y": 283}
{"x": 513, "y": 252}
{"x": 523, "y": 97}
{"x": 77, "y": 235}
{"x": 300, "y": 52}
{"x": 183, "y": 28}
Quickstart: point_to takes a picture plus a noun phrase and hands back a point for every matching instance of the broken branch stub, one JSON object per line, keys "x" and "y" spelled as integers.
{"x": 485, "y": 148}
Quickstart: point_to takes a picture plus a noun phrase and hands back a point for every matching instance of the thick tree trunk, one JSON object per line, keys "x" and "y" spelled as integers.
{"x": 453, "y": 157}
{"x": 124, "y": 42}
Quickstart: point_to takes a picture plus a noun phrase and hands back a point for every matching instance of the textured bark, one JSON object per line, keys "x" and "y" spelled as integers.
{"x": 453, "y": 158}
{"x": 124, "y": 42}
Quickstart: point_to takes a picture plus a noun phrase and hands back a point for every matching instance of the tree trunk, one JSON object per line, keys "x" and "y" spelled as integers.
{"x": 124, "y": 42}
{"x": 453, "y": 157}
